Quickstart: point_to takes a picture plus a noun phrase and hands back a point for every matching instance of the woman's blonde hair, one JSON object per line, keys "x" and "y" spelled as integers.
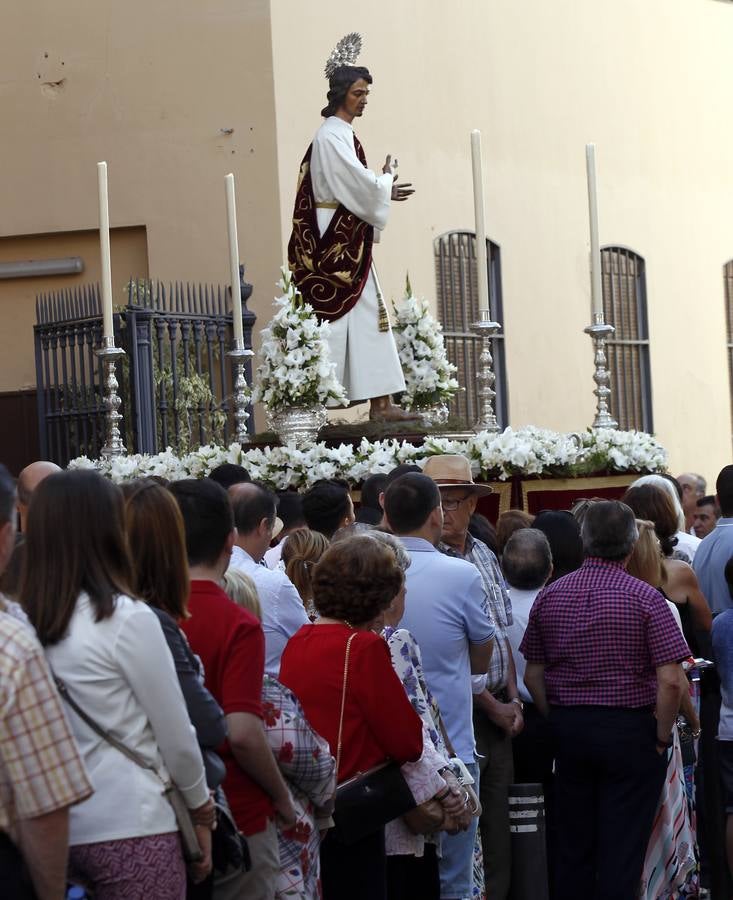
{"x": 645, "y": 562}
{"x": 301, "y": 552}
{"x": 242, "y": 590}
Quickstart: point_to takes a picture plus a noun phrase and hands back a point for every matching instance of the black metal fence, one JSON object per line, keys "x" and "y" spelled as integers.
{"x": 175, "y": 380}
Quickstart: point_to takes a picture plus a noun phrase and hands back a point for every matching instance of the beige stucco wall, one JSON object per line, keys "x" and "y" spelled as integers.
{"x": 18, "y": 295}
{"x": 649, "y": 82}
{"x": 149, "y": 86}
{"x": 146, "y": 86}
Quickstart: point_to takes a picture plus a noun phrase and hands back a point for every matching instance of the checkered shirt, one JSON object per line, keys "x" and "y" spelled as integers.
{"x": 600, "y": 635}
{"x": 500, "y": 606}
{"x": 40, "y": 767}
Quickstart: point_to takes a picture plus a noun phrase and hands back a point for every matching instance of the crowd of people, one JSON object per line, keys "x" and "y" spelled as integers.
{"x": 208, "y": 689}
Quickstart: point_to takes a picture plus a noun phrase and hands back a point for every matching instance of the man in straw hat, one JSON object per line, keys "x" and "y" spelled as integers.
{"x": 340, "y": 209}
{"x": 497, "y": 716}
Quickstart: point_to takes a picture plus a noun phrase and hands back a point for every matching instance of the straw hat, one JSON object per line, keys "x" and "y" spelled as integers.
{"x": 452, "y": 470}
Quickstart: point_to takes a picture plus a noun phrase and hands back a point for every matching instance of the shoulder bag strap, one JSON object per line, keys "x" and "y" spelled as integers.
{"x": 343, "y": 702}
{"x": 446, "y": 739}
{"x": 102, "y": 732}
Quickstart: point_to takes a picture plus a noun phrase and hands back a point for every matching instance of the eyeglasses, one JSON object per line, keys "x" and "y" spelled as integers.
{"x": 452, "y": 505}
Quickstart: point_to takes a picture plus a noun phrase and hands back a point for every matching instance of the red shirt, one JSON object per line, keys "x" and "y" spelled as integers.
{"x": 231, "y": 645}
{"x": 379, "y": 721}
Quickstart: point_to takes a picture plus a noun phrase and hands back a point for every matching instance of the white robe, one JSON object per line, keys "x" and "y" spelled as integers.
{"x": 366, "y": 358}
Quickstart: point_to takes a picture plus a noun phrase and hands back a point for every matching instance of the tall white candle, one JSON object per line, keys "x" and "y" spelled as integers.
{"x": 596, "y": 294}
{"x": 478, "y": 209}
{"x": 234, "y": 260}
{"x": 107, "y": 326}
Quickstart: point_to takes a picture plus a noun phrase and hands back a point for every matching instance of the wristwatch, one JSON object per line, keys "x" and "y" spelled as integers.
{"x": 518, "y": 701}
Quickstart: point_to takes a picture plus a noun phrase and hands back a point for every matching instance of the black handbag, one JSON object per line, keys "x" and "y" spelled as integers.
{"x": 368, "y": 800}
{"x": 687, "y": 742}
{"x": 228, "y": 845}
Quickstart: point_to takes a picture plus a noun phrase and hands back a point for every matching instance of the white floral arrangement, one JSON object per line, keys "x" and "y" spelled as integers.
{"x": 296, "y": 367}
{"x": 429, "y": 374}
{"x": 612, "y": 449}
{"x": 525, "y": 452}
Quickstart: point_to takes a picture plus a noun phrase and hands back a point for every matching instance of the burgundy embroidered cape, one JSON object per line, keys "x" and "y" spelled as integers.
{"x": 330, "y": 270}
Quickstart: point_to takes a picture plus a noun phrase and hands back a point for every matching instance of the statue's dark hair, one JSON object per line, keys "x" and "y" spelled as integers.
{"x": 339, "y": 84}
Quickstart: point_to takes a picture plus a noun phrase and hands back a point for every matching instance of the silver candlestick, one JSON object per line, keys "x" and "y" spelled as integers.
{"x": 108, "y": 356}
{"x": 600, "y": 332}
{"x": 486, "y": 328}
{"x": 238, "y": 354}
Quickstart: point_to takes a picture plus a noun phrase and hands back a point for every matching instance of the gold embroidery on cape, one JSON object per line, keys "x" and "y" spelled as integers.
{"x": 330, "y": 270}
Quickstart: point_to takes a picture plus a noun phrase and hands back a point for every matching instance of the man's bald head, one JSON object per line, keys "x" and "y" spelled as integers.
{"x": 251, "y": 504}
{"x": 693, "y": 488}
{"x": 28, "y": 481}
{"x": 696, "y": 483}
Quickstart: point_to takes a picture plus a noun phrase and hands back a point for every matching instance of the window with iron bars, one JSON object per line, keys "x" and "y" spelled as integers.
{"x": 728, "y": 288}
{"x": 458, "y": 308}
{"x": 624, "y": 306}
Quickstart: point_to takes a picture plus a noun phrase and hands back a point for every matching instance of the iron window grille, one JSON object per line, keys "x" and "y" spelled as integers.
{"x": 625, "y": 307}
{"x": 458, "y": 308}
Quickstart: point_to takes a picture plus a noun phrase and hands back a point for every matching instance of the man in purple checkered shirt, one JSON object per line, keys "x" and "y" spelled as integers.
{"x": 603, "y": 654}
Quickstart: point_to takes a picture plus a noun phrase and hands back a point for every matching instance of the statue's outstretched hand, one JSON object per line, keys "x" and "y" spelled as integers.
{"x": 402, "y": 190}
{"x": 399, "y": 191}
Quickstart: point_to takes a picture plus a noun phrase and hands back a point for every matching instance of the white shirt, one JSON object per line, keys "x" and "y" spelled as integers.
{"x": 521, "y": 606}
{"x": 273, "y": 556}
{"x": 121, "y": 673}
{"x": 688, "y": 543}
{"x": 676, "y": 614}
{"x": 282, "y": 609}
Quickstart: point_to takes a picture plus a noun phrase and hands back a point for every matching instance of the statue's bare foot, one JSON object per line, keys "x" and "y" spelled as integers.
{"x": 387, "y": 411}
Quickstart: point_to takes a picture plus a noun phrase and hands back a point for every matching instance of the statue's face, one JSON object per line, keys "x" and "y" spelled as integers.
{"x": 356, "y": 99}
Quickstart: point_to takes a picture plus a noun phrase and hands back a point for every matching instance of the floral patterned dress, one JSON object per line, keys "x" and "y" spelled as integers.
{"x": 407, "y": 663}
{"x": 305, "y": 760}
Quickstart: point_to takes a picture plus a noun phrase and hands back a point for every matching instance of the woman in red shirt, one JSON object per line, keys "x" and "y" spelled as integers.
{"x": 354, "y": 582}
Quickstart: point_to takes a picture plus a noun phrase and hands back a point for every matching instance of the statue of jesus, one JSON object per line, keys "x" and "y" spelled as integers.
{"x": 341, "y": 207}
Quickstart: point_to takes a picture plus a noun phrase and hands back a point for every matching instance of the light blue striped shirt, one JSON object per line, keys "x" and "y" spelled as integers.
{"x": 446, "y": 611}
{"x": 282, "y": 609}
{"x": 722, "y": 636}
{"x": 709, "y": 564}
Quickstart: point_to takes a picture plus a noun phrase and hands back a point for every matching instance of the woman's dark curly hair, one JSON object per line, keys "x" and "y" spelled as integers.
{"x": 356, "y": 579}
{"x": 654, "y": 504}
{"x": 339, "y": 84}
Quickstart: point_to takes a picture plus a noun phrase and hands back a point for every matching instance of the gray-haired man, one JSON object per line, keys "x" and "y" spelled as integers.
{"x": 603, "y": 653}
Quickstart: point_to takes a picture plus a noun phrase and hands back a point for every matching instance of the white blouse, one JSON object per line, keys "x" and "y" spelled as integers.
{"x": 121, "y": 673}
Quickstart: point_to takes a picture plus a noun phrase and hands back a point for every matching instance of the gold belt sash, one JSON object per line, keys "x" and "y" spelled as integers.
{"x": 328, "y": 204}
